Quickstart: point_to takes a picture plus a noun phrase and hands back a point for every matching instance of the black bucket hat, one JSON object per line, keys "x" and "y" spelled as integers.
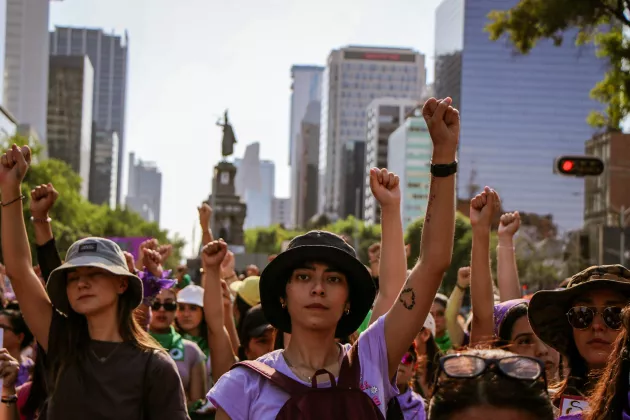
{"x": 317, "y": 246}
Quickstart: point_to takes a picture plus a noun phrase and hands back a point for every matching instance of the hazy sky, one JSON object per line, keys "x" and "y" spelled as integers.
{"x": 191, "y": 59}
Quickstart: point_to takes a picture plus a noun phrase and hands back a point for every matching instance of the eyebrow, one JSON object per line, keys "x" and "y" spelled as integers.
{"x": 522, "y": 335}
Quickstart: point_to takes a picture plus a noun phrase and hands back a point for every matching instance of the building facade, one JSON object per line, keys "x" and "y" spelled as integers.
{"x": 104, "y": 167}
{"x": 255, "y": 184}
{"x": 353, "y": 176}
{"x": 304, "y": 200}
{"x": 409, "y": 156}
{"x": 384, "y": 116}
{"x": 306, "y": 88}
{"x": 510, "y": 135}
{"x": 144, "y": 190}
{"x": 69, "y": 136}
{"x": 281, "y": 212}
{"x": 353, "y": 78}
{"x": 109, "y": 56}
{"x": 26, "y": 63}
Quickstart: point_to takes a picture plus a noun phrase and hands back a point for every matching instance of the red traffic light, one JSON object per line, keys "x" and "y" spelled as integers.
{"x": 579, "y": 166}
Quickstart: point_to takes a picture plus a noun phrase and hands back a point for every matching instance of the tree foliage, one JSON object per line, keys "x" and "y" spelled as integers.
{"x": 600, "y": 22}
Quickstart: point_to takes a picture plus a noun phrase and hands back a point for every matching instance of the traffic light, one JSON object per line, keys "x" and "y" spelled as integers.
{"x": 579, "y": 166}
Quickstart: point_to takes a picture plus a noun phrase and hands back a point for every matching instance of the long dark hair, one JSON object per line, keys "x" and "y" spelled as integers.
{"x": 431, "y": 360}
{"x": 241, "y": 307}
{"x": 610, "y": 394}
{"x": 37, "y": 394}
{"x": 18, "y": 325}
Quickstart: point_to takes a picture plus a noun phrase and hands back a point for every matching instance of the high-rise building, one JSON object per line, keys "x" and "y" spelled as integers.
{"x": 353, "y": 78}
{"x": 518, "y": 112}
{"x": 281, "y": 212}
{"x": 26, "y": 63}
{"x": 144, "y": 190}
{"x": 255, "y": 184}
{"x": 409, "y": 157}
{"x": 353, "y": 175}
{"x": 304, "y": 197}
{"x": 109, "y": 55}
{"x": 384, "y": 116}
{"x": 306, "y": 88}
{"x": 71, "y": 83}
{"x": 104, "y": 167}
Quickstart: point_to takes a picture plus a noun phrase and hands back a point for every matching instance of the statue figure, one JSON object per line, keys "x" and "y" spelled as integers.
{"x": 227, "y": 144}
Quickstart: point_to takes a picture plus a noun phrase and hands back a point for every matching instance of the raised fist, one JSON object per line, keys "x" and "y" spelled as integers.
{"x": 385, "y": 187}
{"x": 148, "y": 244}
{"x": 43, "y": 198}
{"x": 152, "y": 260}
{"x": 443, "y": 122}
{"x": 483, "y": 208}
{"x": 165, "y": 251}
{"x": 463, "y": 276}
{"x": 131, "y": 264}
{"x": 205, "y": 214}
{"x": 510, "y": 222}
{"x": 14, "y": 164}
{"x": 213, "y": 254}
{"x": 228, "y": 265}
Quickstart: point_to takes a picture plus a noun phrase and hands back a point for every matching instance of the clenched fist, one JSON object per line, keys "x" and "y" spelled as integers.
{"x": 510, "y": 222}
{"x": 205, "y": 214}
{"x": 443, "y": 122}
{"x": 14, "y": 164}
{"x": 483, "y": 208}
{"x": 212, "y": 255}
{"x": 385, "y": 187}
{"x": 43, "y": 198}
{"x": 463, "y": 277}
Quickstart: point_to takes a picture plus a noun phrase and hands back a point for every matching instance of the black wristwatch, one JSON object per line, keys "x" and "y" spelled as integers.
{"x": 11, "y": 399}
{"x": 444, "y": 170}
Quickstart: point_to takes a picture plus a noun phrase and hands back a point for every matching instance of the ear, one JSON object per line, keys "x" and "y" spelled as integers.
{"x": 123, "y": 284}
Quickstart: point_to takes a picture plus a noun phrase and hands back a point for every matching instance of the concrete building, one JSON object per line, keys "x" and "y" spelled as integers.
{"x": 304, "y": 199}
{"x": 255, "y": 184}
{"x": 306, "y": 88}
{"x": 353, "y": 175}
{"x": 384, "y": 116}
{"x": 509, "y": 136}
{"x": 409, "y": 156}
{"x": 281, "y": 212}
{"x": 605, "y": 196}
{"x": 353, "y": 78}
{"x": 144, "y": 190}
{"x": 109, "y": 56}
{"x": 104, "y": 167}
{"x": 8, "y": 124}
{"x": 25, "y": 64}
{"x": 69, "y": 135}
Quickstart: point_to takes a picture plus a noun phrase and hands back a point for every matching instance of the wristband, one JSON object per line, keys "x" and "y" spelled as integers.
{"x": 152, "y": 285}
{"x": 506, "y": 247}
{"x": 462, "y": 288}
{"x": 15, "y": 200}
{"x": 37, "y": 220}
{"x": 11, "y": 399}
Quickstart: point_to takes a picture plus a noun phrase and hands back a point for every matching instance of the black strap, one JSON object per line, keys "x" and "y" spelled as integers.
{"x": 145, "y": 386}
{"x": 350, "y": 371}
{"x": 279, "y": 379}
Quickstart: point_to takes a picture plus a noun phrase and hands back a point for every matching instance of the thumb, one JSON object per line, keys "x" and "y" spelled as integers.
{"x": 373, "y": 179}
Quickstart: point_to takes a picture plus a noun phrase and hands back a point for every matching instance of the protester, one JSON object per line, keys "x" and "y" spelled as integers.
{"x": 411, "y": 404}
{"x": 9, "y": 367}
{"x": 428, "y": 359}
{"x": 17, "y": 338}
{"x": 255, "y": 335}
{"x": 456, "y": 333}
{"x": 247, "y": 295}
{"x": 189, "y": 317}
{"x": 98, "y": 336}
{"x": 438, "y": 311}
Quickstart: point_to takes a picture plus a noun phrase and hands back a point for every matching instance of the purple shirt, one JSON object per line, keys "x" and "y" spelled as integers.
{"x": 24, "y": 374}
{"x": 244, "y": 394}
{"x": 412, "y": 405}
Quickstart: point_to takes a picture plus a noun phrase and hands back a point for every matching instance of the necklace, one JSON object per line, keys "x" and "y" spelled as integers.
{"x": 106, "y": 358}
{"x": 303, "y": 376}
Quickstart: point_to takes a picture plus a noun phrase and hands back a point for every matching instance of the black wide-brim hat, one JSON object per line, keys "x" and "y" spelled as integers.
{"x": 325, "y": 247}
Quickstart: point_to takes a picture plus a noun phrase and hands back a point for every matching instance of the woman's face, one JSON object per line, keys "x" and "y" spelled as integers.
{"x": 93, "y": 290}
{"x": 189, "y": 316}
{"x": 162, "y": 319}
{"x": 316, "y": 296}
{"x": 421, "y": 341}
{"x": 523, "y": 341}
{"x": 595, "y": 342}
{"x": 11, "y": 340}
{"x": 405, "y": 370}
{"x": 437, "y": 310}
{"x": 259, "y": 346}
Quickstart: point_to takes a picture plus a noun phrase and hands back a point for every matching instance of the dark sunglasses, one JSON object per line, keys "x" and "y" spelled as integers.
{"x": 408, "y": 359}
{"x": 581, "y": 317}
{"x": 168, "y": 306}
{"x": 468, "y": 366}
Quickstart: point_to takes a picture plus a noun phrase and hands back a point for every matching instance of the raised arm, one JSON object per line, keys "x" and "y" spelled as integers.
{"x": 393, "y": 262}
{"x": 43, "y": 198}
{"x": 482, "y": 210}
{"x": 29, "y": 290}
{"x": 455, "y": 330}
{"x": 406, "y": 317}
{"x": 222, "y": 358}
{"x": 205, "y": 215}
{"x": 507, "y": 271}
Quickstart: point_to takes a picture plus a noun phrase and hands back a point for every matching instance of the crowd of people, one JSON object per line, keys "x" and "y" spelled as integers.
{"x": 316, "y": 334}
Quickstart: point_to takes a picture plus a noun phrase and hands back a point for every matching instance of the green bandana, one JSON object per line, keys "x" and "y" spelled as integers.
{"x": 172, "y": 342}
{"x": 444, "y": 343}
{"x": 200, "y": 341}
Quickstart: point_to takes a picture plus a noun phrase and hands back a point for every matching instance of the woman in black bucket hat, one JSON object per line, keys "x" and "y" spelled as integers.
{"x": 318, "y": 291}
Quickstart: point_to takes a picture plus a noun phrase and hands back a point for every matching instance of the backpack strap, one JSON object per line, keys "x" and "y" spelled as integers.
{"x": 350, "y": 372}
{"x": 279, "y": 379}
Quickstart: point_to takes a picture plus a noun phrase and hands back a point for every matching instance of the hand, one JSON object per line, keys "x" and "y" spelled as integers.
{"x": 8, "y": 369}
{"x": 148, "y": 244}
{"x": 131, "y": 264}
{"x": 510, "y": 222}
{"x": 213, "y": 255}
{"x": 205, "y": 215}
{"x": 483, "y": 207}
{"x": 165, "y": 251}
{"x": 14, "y": 164}
{"x": 463, "y": 277}
{"x": 43, "y": 198}
{"x": 226, "y": 295}
{"x": 385, "y": 187}
{"x": 374, "y": 252}
{"x": 153, "y": 262}
{"x": 227, "y": 265}
{"x": 443, "y": 122}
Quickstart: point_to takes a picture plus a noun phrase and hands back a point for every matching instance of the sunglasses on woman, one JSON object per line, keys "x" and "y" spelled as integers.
{"x": 581, "y": 317}
{"x": 168, "y": 306}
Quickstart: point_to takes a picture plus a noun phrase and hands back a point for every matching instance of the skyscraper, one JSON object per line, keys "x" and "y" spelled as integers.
{"x": 108, "y": 54}
{"x": 26, "y": 63}
{"x": 304, "y": 196}
{"x": 306, "y": 88}
{"x": 144, "y": 191}
{"x": 255, "y": 184}
{"x": 71, "y": 80}
{"x": 104, "y": 168}
{"x": 518, "y": 112}
{"x": 353, "y": 78}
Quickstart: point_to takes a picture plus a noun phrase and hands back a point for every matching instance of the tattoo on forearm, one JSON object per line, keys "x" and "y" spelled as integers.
{"x": 427, "y": 217}
{"x": 407, "y": 298}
